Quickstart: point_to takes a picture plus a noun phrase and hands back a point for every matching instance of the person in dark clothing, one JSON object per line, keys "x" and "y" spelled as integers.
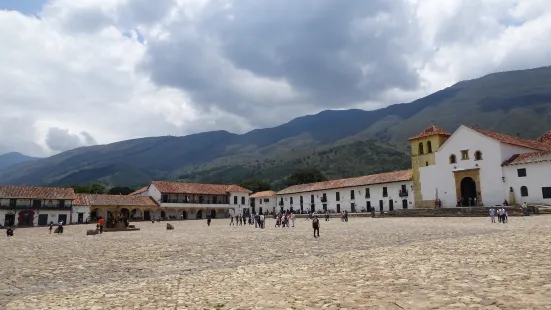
{"x": 372, "y": 211}
{"x": 9, "y": 232}
{"x": 51, "y": 226}
{"x": 208, "y": 220}
{"x": 316, "y": 226}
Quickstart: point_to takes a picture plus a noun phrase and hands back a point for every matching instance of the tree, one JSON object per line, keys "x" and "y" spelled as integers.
{"x": 304, "y": 176}
{"x": 256, "y": 185}
{"x": 120, "y": 190}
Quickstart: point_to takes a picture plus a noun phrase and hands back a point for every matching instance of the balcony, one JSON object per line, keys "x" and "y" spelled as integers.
{"x": 402, "y": 193}
{"x": 323, "y": 199}
{"x": 281, "y": 203}
{"x": 198, "y": 205}
{"x": 35, "y": 207}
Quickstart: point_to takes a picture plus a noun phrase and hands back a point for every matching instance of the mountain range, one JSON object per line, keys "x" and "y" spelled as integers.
{"x": 10, "y": 159}
{"x": 341, "y": 143}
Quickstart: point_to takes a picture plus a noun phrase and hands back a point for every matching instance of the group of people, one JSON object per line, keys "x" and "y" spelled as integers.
{"x": 59, "y": 229}
{"x": 240, "y": 220}
{"x": 501, "y": 215}
{"x": 284, "y": 220}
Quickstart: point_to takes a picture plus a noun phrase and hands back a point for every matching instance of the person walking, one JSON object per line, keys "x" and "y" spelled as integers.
{"x": 51, "y": 226}
{"x": 231, "y": 220}
{"x": 262, "y": 218}
{"x": 316, "y": 226}
{"x": 101, "y": 222}
{"x": 293, "y": 219}
{"x": 208, "y": 220}
{"x": 493, "y": 215}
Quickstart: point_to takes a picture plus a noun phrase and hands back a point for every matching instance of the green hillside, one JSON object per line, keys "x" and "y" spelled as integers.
{"x": 516, "y": 102}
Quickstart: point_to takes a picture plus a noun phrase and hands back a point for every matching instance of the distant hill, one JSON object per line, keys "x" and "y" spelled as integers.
{"x": 515, "y": 102}
{"x": 11, "y": 159}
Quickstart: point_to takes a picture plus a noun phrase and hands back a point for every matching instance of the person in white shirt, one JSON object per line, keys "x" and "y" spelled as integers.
{"x": 261, "y": 221}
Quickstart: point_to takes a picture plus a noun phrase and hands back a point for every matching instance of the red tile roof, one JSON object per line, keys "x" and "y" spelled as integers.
{"x": 430, "y": 131}
{"x": 263, "y": 194}
{"x": 141, "y": 190}
{"x": 195, "y": 188}
{"x": 33, "y": 192}
{"x": 388, "y": 177}
{"x": 528, "y": 158}
{"x": 507, "y": 139}
{"x": 545, "y": 138}
{"x": 114, "y": 200}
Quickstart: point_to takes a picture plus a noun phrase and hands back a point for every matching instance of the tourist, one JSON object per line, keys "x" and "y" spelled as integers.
{"x": 51, "y": 226}
{"x": 262, "y": 218}
{"x": 492, "y": 215}
{"x": 346, "y": 216}
{"x": 504, "y": 216}
{"x": 60, "y": 227}
{"x": 101, "y": 222}
{"x": 373, "y": 212}
{"x": 231, "y": 220}
{"x": 326, "y": 216}
{"x": 316, "y": 226}
{"x": 9, "y": 232}
{"x": 208, "y": 220}
{"x": 293, "y": 219}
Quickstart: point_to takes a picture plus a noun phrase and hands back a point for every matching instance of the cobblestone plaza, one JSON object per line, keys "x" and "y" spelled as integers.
{"x": 406, "y": 263}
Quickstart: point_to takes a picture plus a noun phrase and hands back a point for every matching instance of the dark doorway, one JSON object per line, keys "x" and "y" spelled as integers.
{"x": 260, "y": 210}
{"x": 199, "y": 214}
{"x": 324, "y": 207}
{"x": 184, "y": 215}
{"x": 80, "y": 218}
{"x": 254, "y": 209}
{"x": 163, "y": 214}
{"x": 353, "y": 207}
{"x": 42, "y": 219}
{"x": 368, "y": 206}
{"x": 381, "y": 206}
{"x": 391, "y": 205}
{"x": 146, "y": 216}
{"x": 301, "y": 209}
{"x": 212, "y": 214}
{"x": 26, "y": 218}
{"x": 338, "y": 208}
{"x": 9, "y": 220}
{"x": 404, "y": 204}
{"x": 468, "y": 190}
{"x": 313, "y": 208}
{"x": 62, "y": 218}
{"x": 94, "y": 214}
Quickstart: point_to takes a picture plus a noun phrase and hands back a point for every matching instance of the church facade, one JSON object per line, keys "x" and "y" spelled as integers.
{"x": 479, "y": 167}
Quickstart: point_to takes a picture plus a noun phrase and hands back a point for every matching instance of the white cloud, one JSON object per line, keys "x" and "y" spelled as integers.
{"x": 80, "y": 73}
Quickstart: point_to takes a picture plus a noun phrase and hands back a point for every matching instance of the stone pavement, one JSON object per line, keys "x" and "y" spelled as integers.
{"x": 391, "y": 263}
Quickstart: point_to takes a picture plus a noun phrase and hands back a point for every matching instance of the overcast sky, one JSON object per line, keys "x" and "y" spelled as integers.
{"x": 85, "y": 72}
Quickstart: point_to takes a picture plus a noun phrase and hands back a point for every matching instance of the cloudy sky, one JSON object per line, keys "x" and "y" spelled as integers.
{"x": 85, "y": 72}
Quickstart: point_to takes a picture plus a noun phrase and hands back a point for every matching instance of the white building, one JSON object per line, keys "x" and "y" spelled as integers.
{"x": 474, "y": 166}
{"x": 196, "y": 201}
{"x": 26, "y": 206}
{"x": 93, "y": 206}
{"x": 384, "y": 192}
{"x": 263, "y": 202}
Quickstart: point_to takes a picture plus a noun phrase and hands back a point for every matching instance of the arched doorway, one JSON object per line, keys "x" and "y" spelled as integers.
{"x": 199, "y": 214}
{"x": 124, "y": 213}
{"x": 212, "y": 214}
{"x": 26, "y": 218}
{"x": 468, "y": 190}
{"x": 94, "y": 214}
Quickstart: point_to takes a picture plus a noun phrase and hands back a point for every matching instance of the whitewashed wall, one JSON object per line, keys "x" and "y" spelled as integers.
{"x": 376, "y": 197}
{"x": 441, "y": 177}
{"x": 85, "y": 210}
{"x": 268, "y": 203}
{"x": 537, "y": 176}
{"x": 53, "y": 216}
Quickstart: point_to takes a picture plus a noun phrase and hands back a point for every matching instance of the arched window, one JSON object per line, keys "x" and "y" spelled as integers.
{"x": 524, "y": 191}
{"x": 453, "y": 159}
{"x": 429, "y": 147}
{"x": 421, "y": 150}
{"x": 478, "y": 155}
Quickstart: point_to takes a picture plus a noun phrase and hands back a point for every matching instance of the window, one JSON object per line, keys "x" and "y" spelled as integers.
{"x": 404, "y": 189}
{"x": 312, "y": 198}
{"x": 291, "y": 200}
{"x": 385, "y": 192}
{"x": 421, "y": 151}
{"x": 429, "y": 147}
{"x": 478, "y": 155}
{"x": 260, "y": 201}
{"x": 234, "y": 200}
{"x": 465, "y": 155}
{"x": 453, "y": 159}
{"x": 521, "y": 172}
{"x": 324, "y": 197}
{"x": 267, "y": 200}
{"x": 242, "y": 200}
{"x": 301, "y": 200}
{"x": 338, "y": 196}
{"x": 546, "y": 192}
{"x": 367, "y": 194}
{"x": 524, "y": 191}
{"x": 352, "y": 194}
